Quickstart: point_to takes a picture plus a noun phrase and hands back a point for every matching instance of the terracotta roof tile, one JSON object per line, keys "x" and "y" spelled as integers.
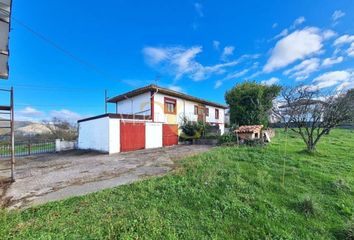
{"x": 249, "y": 129}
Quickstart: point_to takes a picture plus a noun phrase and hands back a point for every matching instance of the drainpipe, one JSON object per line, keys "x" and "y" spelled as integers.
{"x": 152, "y": 105}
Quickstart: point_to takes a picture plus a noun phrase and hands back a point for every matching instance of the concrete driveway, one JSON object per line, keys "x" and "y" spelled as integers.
{"x": 40, "y": 179}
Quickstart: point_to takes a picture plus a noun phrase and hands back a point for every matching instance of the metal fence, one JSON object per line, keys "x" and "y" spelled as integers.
{"x": 27, "y": 148}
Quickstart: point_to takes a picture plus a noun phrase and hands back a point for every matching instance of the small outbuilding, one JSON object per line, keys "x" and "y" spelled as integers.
{"x": 249, "y": 132}
{"x": 113, "y": 133}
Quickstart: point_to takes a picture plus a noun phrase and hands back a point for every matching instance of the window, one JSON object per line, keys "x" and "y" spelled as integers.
{"x": 170, "y": 105}
{"x": 216, "y": 113}
{"x": 195, "y": 110}
{"x": 207, "y": 112}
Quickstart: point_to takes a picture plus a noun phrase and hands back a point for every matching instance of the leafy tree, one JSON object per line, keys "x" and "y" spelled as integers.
{"x": 250, "y": 102}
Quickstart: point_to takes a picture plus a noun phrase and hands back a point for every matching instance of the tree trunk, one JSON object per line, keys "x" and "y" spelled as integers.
{"x": 311, "y": 148}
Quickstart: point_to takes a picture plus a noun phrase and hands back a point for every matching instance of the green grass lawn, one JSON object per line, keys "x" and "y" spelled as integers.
{"x": 22, "y": 149}
{"x": 227, "y": 193}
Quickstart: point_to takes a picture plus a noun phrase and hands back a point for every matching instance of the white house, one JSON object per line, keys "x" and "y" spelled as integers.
{"x": 146, "y": 117}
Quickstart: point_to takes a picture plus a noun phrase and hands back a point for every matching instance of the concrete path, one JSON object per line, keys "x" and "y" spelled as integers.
{"x": 40, "y": 179}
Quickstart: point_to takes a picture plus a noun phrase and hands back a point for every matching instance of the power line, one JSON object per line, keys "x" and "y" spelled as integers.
{"x": 62, "y": 49}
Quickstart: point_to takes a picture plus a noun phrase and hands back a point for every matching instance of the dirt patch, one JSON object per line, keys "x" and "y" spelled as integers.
{"x": 40, "y": 179}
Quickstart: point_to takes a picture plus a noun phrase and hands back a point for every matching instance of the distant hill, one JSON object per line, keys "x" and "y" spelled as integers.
{"x": 25, "y": 128}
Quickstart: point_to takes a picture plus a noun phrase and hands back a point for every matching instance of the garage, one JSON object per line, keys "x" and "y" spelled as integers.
{"x": 114, "y": 133}
{"x": 132, "y": 136}
{"x": 170, "y": 134}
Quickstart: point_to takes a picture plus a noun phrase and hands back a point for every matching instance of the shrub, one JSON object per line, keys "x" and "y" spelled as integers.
{"x": 349, "y": 231}
{"x": 196, "y": 130}
{"x": 192, "y": 130}
{"x": 306, "y": 206}
{"x": 253, "y": 142}
{"x": 227, "y": 138}
{"x": 341, "y": 185}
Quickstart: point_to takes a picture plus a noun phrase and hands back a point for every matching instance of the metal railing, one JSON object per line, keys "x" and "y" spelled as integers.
{"x": 27, "y": 148}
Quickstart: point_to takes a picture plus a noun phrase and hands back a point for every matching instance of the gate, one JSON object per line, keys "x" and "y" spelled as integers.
{"x": 170, "y": 134}
{"x": 132, "y": 136}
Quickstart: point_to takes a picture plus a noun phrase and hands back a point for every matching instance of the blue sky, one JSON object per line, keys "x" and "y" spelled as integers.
{"x": 202, "y": 48}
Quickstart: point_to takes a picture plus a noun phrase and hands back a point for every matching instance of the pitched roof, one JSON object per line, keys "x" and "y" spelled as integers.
{"x": 166, "y": 91}
{"x": 249, "y": 129}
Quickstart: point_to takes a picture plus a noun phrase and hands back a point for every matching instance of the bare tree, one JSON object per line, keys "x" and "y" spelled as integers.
{"x": 312, "y": 114}
{"x": 61, "y": 129}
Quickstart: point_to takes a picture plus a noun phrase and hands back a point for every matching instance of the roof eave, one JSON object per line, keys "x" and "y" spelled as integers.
{"x": 164, "y": 91}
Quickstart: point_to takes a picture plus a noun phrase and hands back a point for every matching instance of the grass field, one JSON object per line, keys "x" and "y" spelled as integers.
{"x": 227, "y": 193}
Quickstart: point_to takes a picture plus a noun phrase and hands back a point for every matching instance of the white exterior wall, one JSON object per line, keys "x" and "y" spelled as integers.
{"x": 114, "y": 135}
{"x": 153, "y": 135}
{"x": 94, "y": 135}
{"x": 136, "y": 105}
{"x": 184, "y": 108}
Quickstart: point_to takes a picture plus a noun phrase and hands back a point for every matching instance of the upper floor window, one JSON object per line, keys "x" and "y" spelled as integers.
{"x": 195, "y": 110}
{"x": 216, "y": 113}
{"x": 170, "y": 105}
{"x": 207, "y": 112}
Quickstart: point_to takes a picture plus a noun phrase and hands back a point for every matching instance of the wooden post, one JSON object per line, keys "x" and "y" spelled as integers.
{"x": 29, "y": 147}
{"x": 12, "y": 118}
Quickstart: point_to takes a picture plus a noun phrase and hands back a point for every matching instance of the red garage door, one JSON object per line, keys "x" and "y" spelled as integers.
{"x": 170, "y": 134}
{"x": 132, "y": 136}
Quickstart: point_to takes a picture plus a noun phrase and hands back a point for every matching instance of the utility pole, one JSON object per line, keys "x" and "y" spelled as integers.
{"x": 12, "y": 119}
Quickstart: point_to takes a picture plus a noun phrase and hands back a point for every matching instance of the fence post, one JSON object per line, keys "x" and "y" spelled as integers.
{"x": 57, "y": 145}
{"x": 29, "y": 147}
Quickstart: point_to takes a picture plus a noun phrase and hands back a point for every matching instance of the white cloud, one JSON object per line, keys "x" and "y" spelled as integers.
{"x": 65, "y": 114}
{"x": 204, "y": 72}
{"x": 344, "y": 86}
{"x": 29, "y": 114}
{"x": 237, "y": 74}
{"x": 338, "y": 14}
{"x": 327, "y": 34}
{"x": 275, "y": 25}
{"x": 228, "y": 51}
{"x": 350, "y": 50}
{"x": 175, "y": 88}
{"x": 216, "y": 45}
{"x": 296, "y": 46}
{"x": 282, "y": 34}
{"x": 234, "y": 75}
{"x": 199, "y": 9}
{"x": 180, "y": 61}
{"x": 35, "y": 115}
{"x": 344, "y": 40}
{"x": 327, "y": 62}
{"x": 218, "y": 84}
{"x": 333, "y": 78}
{"x": 155, "y": 55}
{"x": 298, "y": 21}
{"x": 29, "y": 111}
{"x": 304, "y": 69}
{"x": 270, "y": 81}
{"x": 285, "y": 31}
